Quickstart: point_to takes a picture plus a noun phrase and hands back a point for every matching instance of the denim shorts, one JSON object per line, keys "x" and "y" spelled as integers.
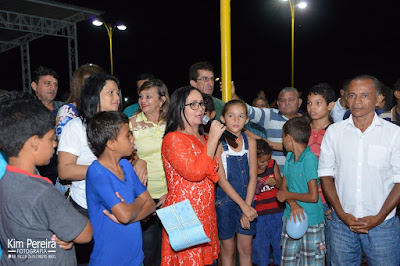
{"x": 228, "y": 219}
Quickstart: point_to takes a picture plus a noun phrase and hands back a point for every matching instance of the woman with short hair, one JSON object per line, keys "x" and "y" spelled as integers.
{"x": 148, "y": 127}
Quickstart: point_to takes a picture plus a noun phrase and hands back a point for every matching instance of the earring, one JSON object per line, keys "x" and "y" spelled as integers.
{"x": 161, "y": 107}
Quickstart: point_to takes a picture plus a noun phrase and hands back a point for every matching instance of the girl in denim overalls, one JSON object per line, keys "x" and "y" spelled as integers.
{"x": 237, "y": 183}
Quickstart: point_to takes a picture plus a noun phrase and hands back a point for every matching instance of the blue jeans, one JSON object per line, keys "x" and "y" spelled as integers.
{"x": 380, "y": 245}
{"x": 327, "y": 233}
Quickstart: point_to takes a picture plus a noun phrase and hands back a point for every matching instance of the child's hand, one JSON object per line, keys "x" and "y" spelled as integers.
{"x": 328, "y": 214}
{"x": 120, "y": 197}
{"x": 244, "y": 222}
{"x": 260, "y": 185}
{"x": 62, "y": 244}
{"x": 297, "y": 212}
{"x": 111, "y": 216}
{"x": 271, "y": 181}
{"x": 250, "y": 212}
{"x": 281, "y": 195}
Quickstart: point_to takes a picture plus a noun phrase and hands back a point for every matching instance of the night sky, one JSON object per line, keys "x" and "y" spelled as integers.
{"x": 335, "y": 40}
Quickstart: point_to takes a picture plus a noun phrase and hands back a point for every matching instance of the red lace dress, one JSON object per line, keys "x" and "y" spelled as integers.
{"x": 192, "y": 175}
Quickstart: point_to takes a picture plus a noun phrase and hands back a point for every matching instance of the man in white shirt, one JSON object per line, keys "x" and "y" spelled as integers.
{"x": 362, "y": 153}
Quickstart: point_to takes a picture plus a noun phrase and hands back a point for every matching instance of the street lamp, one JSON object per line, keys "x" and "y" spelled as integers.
{"x": 110, "y": 29}
{"x": 300, "y": 5}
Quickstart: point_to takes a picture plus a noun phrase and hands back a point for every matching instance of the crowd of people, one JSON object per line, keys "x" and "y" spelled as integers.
{"x": 91, "y": 198}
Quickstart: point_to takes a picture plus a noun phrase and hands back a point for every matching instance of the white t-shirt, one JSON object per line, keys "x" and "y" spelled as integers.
{"x": 74, "y": 140}
{"x": 231, "y": 152}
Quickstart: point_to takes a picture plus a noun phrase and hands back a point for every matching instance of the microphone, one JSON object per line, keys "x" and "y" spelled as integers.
{"x": 205, "y": 120}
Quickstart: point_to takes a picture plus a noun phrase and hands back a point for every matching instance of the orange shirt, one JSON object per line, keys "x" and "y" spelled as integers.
{"x": 315, "y": 146}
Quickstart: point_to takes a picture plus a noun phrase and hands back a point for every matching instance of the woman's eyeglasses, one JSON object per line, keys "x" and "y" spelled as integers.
{"x": 195, "y": 105}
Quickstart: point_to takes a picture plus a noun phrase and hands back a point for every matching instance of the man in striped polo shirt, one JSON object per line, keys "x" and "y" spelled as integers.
{"x": 272, "y": 120}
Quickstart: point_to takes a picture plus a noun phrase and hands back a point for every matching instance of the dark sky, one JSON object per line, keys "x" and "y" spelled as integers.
{"x": 335, "y": 40}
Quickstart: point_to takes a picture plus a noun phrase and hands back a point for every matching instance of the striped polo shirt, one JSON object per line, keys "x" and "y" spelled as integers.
{"x": 272, "y": 120}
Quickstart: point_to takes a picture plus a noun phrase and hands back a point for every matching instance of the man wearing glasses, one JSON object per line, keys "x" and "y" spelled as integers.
{"x": 201, "y": 75}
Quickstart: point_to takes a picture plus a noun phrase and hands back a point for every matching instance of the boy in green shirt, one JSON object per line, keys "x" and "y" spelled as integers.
{"x": 300, "y": 191}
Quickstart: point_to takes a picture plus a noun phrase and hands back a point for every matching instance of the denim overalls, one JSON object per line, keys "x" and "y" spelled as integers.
{"x": 228, "y": 212}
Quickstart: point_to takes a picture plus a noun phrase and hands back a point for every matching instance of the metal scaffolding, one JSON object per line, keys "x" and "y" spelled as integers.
{"x": 22, "y": 21}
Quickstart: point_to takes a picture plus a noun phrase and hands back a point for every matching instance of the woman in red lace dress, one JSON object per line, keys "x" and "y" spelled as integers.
{"x": 191, "y": 170}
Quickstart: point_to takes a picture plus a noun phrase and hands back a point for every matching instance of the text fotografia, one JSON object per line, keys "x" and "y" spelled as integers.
{"x": 31, "y": 249}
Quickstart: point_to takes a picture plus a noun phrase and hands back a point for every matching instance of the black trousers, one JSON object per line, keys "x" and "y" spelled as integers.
{"x": 82, "y": 251}
{"x": 152, "y": 232}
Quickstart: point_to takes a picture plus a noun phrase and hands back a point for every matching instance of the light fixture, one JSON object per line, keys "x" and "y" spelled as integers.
{"x": 110, "y": 29}
{"x": 97, "y": 23}
{"x": 121, "y": 27}
{"x": 302, "y": 5}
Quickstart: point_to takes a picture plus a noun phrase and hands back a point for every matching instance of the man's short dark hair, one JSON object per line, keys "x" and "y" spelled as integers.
{"x": 377, "y": 83}
{"x": 22, "y": 116}
{"x": 262, "y": 99}
{"x": 145, "y": 76}
{"x": 193, "y": 70}
{"x": 325, "y": 90}
{"x": 102, "y": 127}
{"x": 263, "y": 148}
{"x": 397, "y": 85}
{"x": 346, "y": 84}
{"x": 43, "y": 71}
{"x": 208, "y": 102}
{"x": 299, "y": 129}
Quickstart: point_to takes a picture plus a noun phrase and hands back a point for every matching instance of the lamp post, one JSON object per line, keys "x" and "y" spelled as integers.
{"x": 292, "y": 12}
{"x": 226, "y": 62}
{"x": 110, "y": 30}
